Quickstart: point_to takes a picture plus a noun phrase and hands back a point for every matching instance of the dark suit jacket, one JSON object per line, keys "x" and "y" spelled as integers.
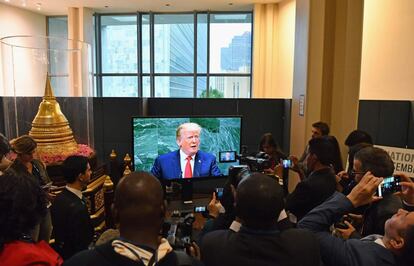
{"x": 167, "y": 166}
{"x": 72, "y": 225}
{"x": 260, "y": 248}
{"x": 311, "y": 192}
{"x": 339, "y": 252}
{"x": 378, "y": 213}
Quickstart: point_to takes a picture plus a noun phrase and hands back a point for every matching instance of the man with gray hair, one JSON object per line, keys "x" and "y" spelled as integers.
{"x": 188, "y": 161}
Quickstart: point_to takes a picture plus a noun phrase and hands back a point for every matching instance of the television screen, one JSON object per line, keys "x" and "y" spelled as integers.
{"x": 154, "y": 136}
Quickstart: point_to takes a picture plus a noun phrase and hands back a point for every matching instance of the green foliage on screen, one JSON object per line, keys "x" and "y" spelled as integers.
{"x": 155, "y": 136}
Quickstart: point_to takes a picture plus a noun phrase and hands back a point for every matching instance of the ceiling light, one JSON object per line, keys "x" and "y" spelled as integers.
{"x": 38, "y": 6}
{"x": 6, "y": 0}
{"x": 24, "y": 3}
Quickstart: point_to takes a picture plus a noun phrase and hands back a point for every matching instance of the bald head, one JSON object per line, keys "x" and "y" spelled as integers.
{"x": 139, "y": 201}
{"x": 259, "y": 201}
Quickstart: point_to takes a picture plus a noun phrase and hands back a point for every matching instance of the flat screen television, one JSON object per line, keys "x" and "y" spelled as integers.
{"x": 153, "y": 136}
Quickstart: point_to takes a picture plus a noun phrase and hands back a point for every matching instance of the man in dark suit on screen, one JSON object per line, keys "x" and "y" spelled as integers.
{"x": 188, "y": 161}
{"x": 72, "y": 225}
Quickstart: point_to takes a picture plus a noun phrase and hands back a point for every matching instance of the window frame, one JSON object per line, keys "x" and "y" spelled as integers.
{"x": 152, "y": 74}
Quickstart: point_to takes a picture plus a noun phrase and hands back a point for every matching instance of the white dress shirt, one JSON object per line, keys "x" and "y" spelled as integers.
{"x": 183, "y": 162}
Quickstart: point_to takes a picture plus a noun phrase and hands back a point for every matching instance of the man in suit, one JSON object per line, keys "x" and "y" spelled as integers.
{"x": 139, "y": 209}
{"x": 319, "y": 184}
{"x": 393, "y": 248}
{"x": 188, "y": 161}
{"x": 72, "y": 225}
{"x": 259, "y": 241}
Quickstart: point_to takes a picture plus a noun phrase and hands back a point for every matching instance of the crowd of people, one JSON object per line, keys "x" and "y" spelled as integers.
{"x": 333, "y": 216}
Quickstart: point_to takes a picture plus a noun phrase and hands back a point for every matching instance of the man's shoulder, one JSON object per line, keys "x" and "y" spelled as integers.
{"x": 168, "y": 155}
{"x": 205, "y": 155}
{"x": 218, "y": 237}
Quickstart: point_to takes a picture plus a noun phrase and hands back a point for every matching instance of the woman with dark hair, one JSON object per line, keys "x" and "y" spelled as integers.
{"x": 4, "y": 150}
{"x": 22, "y": 204}
{"x": 336, "y": 160}
{"x": 25, "y": 163}
{"x": 271, "y": 147}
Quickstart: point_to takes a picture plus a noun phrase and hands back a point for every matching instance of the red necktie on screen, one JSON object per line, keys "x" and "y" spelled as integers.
{"x": 188, "y": 173}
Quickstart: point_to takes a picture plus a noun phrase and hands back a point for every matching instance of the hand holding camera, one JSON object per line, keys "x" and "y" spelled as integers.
{"x": 363, "y": 192}
{"x": 407, "y": 189}
{"x": 345, "y": 227}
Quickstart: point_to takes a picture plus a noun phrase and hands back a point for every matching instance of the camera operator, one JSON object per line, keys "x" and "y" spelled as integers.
{"x": 394, "y": 248}
{"x": 271, "y": 148}
{"x": 139, "y": 208}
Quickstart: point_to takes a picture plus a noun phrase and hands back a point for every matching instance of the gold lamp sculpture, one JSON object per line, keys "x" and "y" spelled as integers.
{"x": 52, "y": 132}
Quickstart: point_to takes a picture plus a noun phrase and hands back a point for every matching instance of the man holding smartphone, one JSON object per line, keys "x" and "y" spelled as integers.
{"x": 379, "y": 163}
{"x": 393, "y": 248}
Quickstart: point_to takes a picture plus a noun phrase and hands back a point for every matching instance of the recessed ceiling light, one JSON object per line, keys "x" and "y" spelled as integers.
{"x": 38, "y": 6}
{"x": 24, "y": 3}
{"x": 6, "y": 0}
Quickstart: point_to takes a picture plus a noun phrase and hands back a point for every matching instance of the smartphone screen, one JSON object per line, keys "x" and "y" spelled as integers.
{"x": 219, "y": 193}
{"x": 389, "y": 185}
{"x": 286, "y": 163}
{"x": 200, "y": 209}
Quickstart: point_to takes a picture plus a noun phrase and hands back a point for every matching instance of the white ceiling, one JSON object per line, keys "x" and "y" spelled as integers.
{"x": 59, "y": 7}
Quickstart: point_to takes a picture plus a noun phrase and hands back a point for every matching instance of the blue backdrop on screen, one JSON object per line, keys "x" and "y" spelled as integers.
{"x": 155, "y": 136}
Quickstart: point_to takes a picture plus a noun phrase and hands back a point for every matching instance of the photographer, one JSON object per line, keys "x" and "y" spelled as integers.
{"x": 394, "y": 248}
{"x": 139, "y": 208}
{"x": 259, "y": 241}
{"x": 320, "y": 182}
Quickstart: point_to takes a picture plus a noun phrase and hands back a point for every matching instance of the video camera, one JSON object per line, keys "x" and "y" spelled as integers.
{"x": 178, "y": 229}
{"x": 256, "y": 163}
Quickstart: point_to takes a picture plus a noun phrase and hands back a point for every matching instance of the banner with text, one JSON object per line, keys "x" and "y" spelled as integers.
{"x": 403, "y": 159}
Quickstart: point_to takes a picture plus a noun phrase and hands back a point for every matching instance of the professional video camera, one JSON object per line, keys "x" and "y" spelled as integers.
{"x": 256, "y": 163}
{"x": 178, "y": 229}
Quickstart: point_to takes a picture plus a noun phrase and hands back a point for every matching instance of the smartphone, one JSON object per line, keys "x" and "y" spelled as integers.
{"x": 219, "y": 193}
{"x": 287, "y": 163}
{"x": 200, "y": 209}
{"x": 389, "y": 185}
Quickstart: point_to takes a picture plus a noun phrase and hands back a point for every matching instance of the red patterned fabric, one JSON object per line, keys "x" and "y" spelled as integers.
{"x": 19, "y": 253}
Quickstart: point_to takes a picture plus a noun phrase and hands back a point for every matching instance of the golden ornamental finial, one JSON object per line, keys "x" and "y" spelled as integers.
{"x": 113, "y": 154}
{"x": 127, "y": 171}
{"x": 127, "y": 159}
{"x": 108, "y": 184}
{"x": 48, "y": 89}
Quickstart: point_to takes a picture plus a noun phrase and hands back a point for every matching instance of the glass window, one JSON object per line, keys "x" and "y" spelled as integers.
{"x": 201, "y": 87}
{"x": 202, "y": 43}
{"x": 174, "y": 86}
{"x": 146, "y": 86}
{"x": 57, "y": 28}
{"x": 174, "y": 43}
{"x": 230, "y": 43}
{"x": 119, "y": 86}
{"x": 119, "y": 44}
{"x": 145, "y": 36}
{"x": 229, "y": 87}
{"x": 222, "y": 43}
